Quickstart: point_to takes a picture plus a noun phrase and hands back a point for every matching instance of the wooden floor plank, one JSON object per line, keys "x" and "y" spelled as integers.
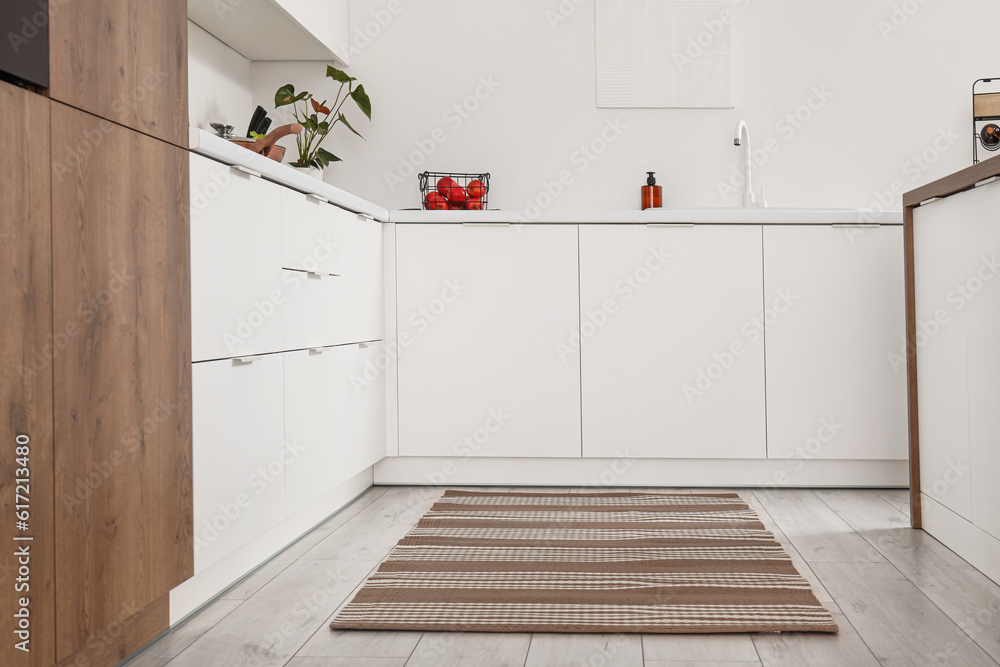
{"x": 346, "y": 662}
{"x": 360, "y": 643}
{"x": 470, "y": 649}
{"x": 898, "y": 498}
{"x": 572, "y": 650}
{"x": 897, "y": 622}
{"x": 699, "y": 648}
{"x": 269, "y": 628}
{"x": 817, "y": 532}
{"x": 965, "y": 594}
{"x": 168, "y": 647}
{"x": 815, "y": 649}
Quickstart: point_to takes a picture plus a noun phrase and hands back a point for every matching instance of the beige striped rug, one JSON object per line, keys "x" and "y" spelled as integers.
{"x": 587, "y": 562}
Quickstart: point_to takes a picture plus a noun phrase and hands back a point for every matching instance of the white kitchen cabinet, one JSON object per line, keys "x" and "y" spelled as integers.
{"x": 672, "y": 353}
{"x": 836, "y": 370}
{"x": 236, "y": 289}
{"x": 239, "y": 454}
{"x": 334, "y": 419}
{"x": 942, "y": 357}
{"x": 361, "y": 299}
{"x": 315, "y": 235}
{"x": 313, "y": 313}
{"x": 480, "y": 311}
{"x": 978, "y": 294}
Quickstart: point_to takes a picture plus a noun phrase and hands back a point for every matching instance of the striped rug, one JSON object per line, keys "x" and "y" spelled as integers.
{"x": 587, "y": 562}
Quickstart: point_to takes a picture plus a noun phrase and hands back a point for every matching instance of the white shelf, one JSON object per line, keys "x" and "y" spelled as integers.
{"x": 277, "y": 29}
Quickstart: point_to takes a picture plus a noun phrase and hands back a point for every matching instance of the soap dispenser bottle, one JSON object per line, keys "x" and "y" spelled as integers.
{"x": 652, "y": 194}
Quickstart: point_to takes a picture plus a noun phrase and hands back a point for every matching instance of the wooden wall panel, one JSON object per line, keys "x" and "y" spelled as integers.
{"x": 122, "y": 397}
{"x": 124, "y": 60}
{"x": 26, "y": 386}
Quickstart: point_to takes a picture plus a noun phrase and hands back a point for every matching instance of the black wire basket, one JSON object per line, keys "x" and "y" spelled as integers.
{"x": 442, "y": 191}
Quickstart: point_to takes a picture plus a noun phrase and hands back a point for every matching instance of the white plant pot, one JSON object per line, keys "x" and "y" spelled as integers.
{"x": 315, "y": 172}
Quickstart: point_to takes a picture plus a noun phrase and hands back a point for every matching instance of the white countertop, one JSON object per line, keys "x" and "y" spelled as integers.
{"x": 208, "y": 144}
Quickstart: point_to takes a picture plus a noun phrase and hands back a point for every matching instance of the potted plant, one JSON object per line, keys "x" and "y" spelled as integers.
{"x": 316, "y": 125}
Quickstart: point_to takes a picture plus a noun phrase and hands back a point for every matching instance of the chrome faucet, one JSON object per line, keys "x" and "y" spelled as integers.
{"x": 743, "y": 139}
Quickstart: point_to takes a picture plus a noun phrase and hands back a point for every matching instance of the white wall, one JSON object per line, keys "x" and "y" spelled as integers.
{"x": 893, "y": 95}
{"x": 218, "y": 83}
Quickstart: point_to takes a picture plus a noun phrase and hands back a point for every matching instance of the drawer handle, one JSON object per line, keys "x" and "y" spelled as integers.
{"x": 364, "y": 217}
{"x": 245, "y": 170}
{"x": 317, "y": 198}
{"x": 320, "y": 274}
{"x": 362, "y": 346}
{"x": 317, "y": 350}
{"x": 246, "y": 361}
{"x": 679, "y": 225}
{"x": 855, "y": 225}
{"x": 986, "y": 181}
{"x": 929, "y": 201}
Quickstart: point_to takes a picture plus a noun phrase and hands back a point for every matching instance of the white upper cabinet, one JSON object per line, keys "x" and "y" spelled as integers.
{"x": 278, "y": 29}
{"x": 672, "y": 345}
{"x": 236, "y": 279}
{"x": 836, "y": 369}
{"x": 481, "y": 311}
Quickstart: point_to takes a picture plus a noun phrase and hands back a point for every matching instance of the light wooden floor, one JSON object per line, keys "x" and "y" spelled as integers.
{"x": 899, "y": 596}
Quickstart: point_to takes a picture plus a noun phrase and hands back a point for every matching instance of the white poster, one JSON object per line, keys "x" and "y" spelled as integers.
{"x": 665, "y": 53}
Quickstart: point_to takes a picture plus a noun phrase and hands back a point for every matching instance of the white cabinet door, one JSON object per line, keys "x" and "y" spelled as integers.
{"x": 334, "y": 418}
{"x": 979, "y": 295}
{"x": 836, "y": 370}
{"x": 361, "y": 309}
{"x": 942, "y": 360}
{"x": 672, "y": 354}
{"x": 313, "y": 310}
{"x": 236, "y": 289}
{"x": 239, "y": 454}
{"x": 480, "y": 311}
{"x": 315, "y": 235}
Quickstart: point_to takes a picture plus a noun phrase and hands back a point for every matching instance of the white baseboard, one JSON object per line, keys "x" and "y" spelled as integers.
{"x": 640, "y": 472}
{"x": 968, "y": 540}
{"x": 202, "y": 588}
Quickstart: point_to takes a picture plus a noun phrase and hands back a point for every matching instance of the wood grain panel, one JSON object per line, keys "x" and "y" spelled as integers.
{"x": 123, "y": 385}
{"x": 124, "y": 638}
{"x": 125, "y": 61}
{"x": 26, "y": 389}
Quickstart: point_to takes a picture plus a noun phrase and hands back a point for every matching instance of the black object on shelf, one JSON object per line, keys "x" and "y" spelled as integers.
{"x": 985, "y": 108}
{"x": 24, "y": 55}
{"x": 454, "y": 191}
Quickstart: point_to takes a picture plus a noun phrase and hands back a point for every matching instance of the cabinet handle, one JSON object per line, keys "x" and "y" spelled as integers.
{"x": 320, "y": 274}
{"x": 986, "y": 180}
{"x": 317, "y": 198}
{"x": 362, "y": 346}
{"x": 929, "y": 201}
{"x": 239, "y": 361}
{"x": 486, "y": 224}
{"x": 670, "y": 224}
{"x": 317, "y": 350}
{"x": 245, "y": 170}
{"x": 856, "y": 225}
{"x": 364, "y": 217}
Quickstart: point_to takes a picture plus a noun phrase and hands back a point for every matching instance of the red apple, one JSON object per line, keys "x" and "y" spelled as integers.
{"x": 474, "y": 204}
{"x": 446, "y": 185}
{"x": 435, "y": 202}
